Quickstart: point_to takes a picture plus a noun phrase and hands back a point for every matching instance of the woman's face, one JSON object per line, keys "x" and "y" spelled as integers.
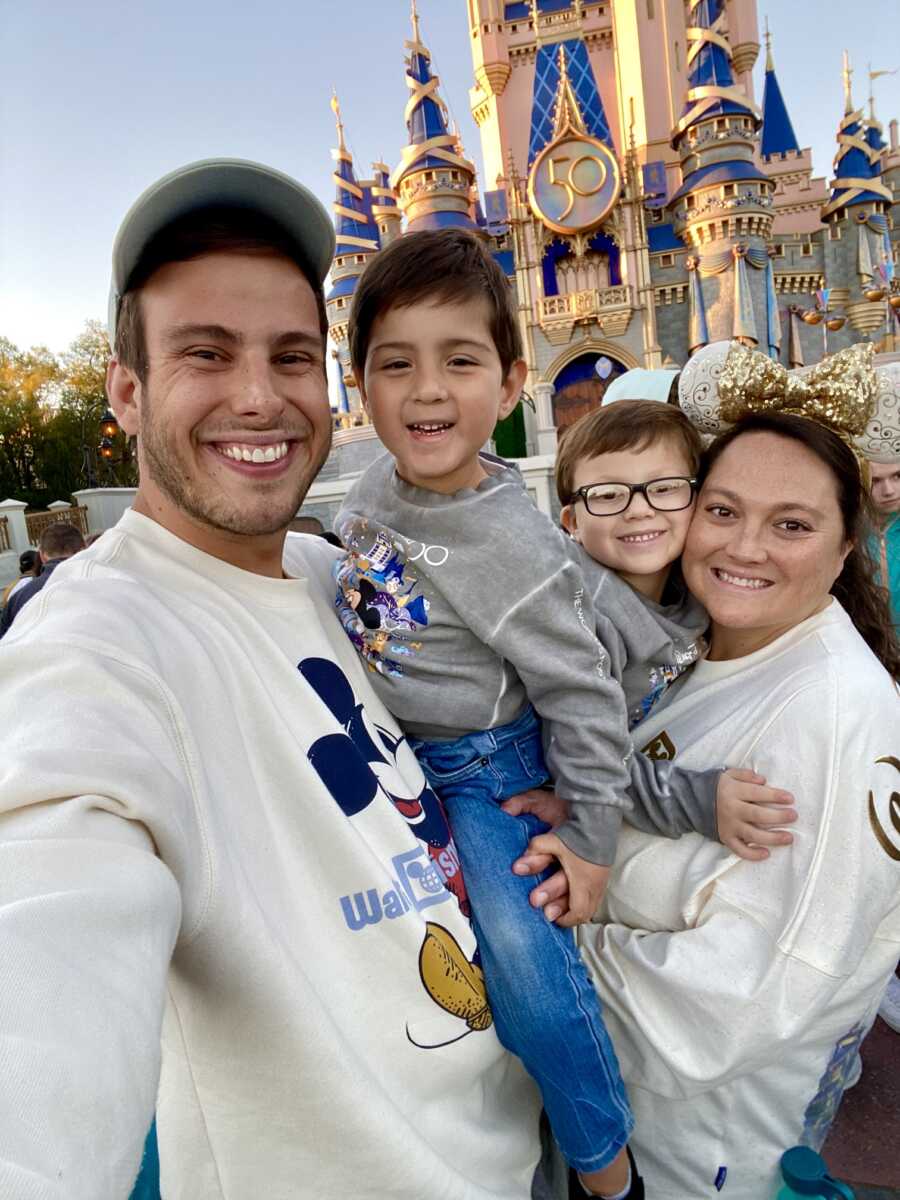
{"x": 766, "y": 543}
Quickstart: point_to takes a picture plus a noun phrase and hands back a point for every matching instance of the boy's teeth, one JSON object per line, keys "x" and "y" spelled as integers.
{"x": 641, "y": 537}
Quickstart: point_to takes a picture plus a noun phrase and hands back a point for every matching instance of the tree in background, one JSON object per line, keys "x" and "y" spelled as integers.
{"x": 50, "y": 411}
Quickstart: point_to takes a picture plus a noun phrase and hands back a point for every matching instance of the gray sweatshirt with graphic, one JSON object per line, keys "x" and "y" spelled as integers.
{"x": 467, "y": 607}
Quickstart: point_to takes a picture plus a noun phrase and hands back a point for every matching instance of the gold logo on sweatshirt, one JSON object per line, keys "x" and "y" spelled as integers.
{"x": 453, "y": 982}
{"x": 893, "y": 812}
{"x": 661, "y": 749}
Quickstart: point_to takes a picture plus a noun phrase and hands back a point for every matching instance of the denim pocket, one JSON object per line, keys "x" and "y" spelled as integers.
{"x": 531, "y": 755}
{"x": 455, "y": 767}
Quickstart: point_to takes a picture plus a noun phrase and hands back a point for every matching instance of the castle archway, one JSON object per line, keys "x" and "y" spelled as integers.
{"x": 579, "y": 386}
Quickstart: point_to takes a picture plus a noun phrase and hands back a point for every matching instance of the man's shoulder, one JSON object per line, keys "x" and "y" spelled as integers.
{"x": 308, "y": 556}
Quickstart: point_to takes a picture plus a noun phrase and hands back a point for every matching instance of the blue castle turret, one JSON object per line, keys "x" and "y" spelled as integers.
{"x": 723, "y": 209}
{"x": 857, "y": 164}
{"x": 385, "y": 211}
{"x": 435, "y": 183}
{"x": 778, "y": 135}
{"x": 357, "y": 241}
{"x": 857, "y": 212}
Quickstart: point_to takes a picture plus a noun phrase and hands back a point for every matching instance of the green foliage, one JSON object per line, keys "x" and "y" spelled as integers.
{"x": 50, "y": 410}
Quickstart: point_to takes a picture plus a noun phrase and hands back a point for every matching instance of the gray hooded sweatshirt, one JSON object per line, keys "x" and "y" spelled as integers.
{"x": 466, "y": 607}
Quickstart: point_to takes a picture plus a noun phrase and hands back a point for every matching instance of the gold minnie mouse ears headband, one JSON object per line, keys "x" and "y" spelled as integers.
{"x": 846, "y": 393}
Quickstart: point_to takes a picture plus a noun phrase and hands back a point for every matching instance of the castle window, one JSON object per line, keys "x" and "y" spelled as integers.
{"x": 806, "y": 249}
{"x": 721, "y": 126}
{"x": 667, "y": 260}
{"x": 429, "y": 175}
{"x": 677, "y": 57}
{"x": 834, "y": 232}
{"x": 360, "y": 258}
{"x": 729, "y": 190}
{"x": 778, "y": 249}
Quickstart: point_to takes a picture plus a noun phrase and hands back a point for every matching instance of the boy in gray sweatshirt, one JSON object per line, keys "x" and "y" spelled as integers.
{"x": 471, "y": 609}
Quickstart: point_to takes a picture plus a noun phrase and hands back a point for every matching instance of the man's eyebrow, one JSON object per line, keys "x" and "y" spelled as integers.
{"x": 212, "y": 333}
{"x": 298, "y": 337}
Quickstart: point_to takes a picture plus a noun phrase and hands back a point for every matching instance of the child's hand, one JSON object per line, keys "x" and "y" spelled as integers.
{"x": 747, "y": 810}
{"x": 544, "y": 804}
{"x": 571, "y": 896}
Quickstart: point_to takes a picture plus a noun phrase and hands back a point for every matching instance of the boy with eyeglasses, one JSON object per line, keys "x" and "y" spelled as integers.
{"x": 625, "y": 475}
{"x": 470, "y": 609}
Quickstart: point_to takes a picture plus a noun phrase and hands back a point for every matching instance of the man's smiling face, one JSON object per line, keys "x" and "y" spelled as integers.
{"x": 233, "y": 418}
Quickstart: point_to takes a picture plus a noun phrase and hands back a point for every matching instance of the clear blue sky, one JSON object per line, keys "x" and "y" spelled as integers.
{"x": 100, "y": 97}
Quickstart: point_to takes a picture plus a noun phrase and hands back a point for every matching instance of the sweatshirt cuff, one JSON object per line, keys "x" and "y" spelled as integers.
{"x": 593, "y": 833}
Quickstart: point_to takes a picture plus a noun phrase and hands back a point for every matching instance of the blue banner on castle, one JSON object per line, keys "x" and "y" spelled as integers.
{"x": 655, "y": 188}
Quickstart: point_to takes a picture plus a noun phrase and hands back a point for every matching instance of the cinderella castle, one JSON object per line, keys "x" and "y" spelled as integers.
{"x": 640, "y": 198}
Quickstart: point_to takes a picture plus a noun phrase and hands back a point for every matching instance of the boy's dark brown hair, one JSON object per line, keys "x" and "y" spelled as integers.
{"x": 623, "y": 425}
{"x": 443, "y": 266}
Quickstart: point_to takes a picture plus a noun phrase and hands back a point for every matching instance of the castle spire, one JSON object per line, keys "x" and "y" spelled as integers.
{"x": 778, "y": 135}
{"x": 351, "y": 221}
{"x": 847, "y": 74}
{"x": 711, "y": 89}
{"x": 568, "y": 110}
{"x": 857, "y": 164}
{"x": 433, "y": 179}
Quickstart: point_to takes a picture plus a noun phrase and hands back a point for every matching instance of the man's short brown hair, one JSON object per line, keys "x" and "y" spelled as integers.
{"x": 444, "y": 266}
{"x": 219, "y": 230}
{"x": 60, "y": 540}
{"x": 623, "y": 425}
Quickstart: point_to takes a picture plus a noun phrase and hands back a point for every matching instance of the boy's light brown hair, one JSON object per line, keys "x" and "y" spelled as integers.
{"x": 623, "y": 425}
{"x": 442, "y": 266}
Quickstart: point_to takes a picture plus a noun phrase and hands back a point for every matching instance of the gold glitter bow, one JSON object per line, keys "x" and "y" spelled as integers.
{"x": 840, "y": 392}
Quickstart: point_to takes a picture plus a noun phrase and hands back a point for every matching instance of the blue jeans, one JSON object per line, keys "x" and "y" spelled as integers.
{"x": 545, "y": 1009}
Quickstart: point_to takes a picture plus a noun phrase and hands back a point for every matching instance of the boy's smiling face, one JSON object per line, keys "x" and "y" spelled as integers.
{"x": 434, "y": 387}
{"x": 639, "y": 544}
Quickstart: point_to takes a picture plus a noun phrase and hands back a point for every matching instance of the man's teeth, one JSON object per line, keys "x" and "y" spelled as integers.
{"x": 255, "y": 454}
{"x": 741, "y": 581}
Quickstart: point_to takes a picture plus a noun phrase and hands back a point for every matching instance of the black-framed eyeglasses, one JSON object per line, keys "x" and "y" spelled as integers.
{"x": 664, "y": 495}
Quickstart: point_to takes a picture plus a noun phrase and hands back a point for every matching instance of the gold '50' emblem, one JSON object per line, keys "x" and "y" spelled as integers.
{"x": 573, "y": 184}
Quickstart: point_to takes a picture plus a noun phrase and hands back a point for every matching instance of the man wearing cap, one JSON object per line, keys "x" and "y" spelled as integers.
{"x": 224, "y": 825}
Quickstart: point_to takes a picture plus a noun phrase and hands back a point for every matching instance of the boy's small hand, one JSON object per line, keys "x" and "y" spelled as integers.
{"x": 543, "y": 803}
{"x": 747, "y": 810}
{"x": 572, "y": 899}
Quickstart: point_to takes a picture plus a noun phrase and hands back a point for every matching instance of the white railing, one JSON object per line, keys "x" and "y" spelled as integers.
{"x": 591, "y": 303}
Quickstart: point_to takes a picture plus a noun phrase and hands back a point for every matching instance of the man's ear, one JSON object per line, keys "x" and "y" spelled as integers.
{"x": 123, "y": 390}
{"x": 512, "y": 387}
{"x": 569, "y": 521}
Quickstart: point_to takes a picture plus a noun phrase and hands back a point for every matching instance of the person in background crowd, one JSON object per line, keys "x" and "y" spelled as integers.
{"x": 29, "y": 568}
{"x": 59, "y": 541}
{"x": 886, "y": 553}
{"x": 886, "y": 550}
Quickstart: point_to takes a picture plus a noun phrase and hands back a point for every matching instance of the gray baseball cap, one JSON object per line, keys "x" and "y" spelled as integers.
{"x": 232, "y": 182}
